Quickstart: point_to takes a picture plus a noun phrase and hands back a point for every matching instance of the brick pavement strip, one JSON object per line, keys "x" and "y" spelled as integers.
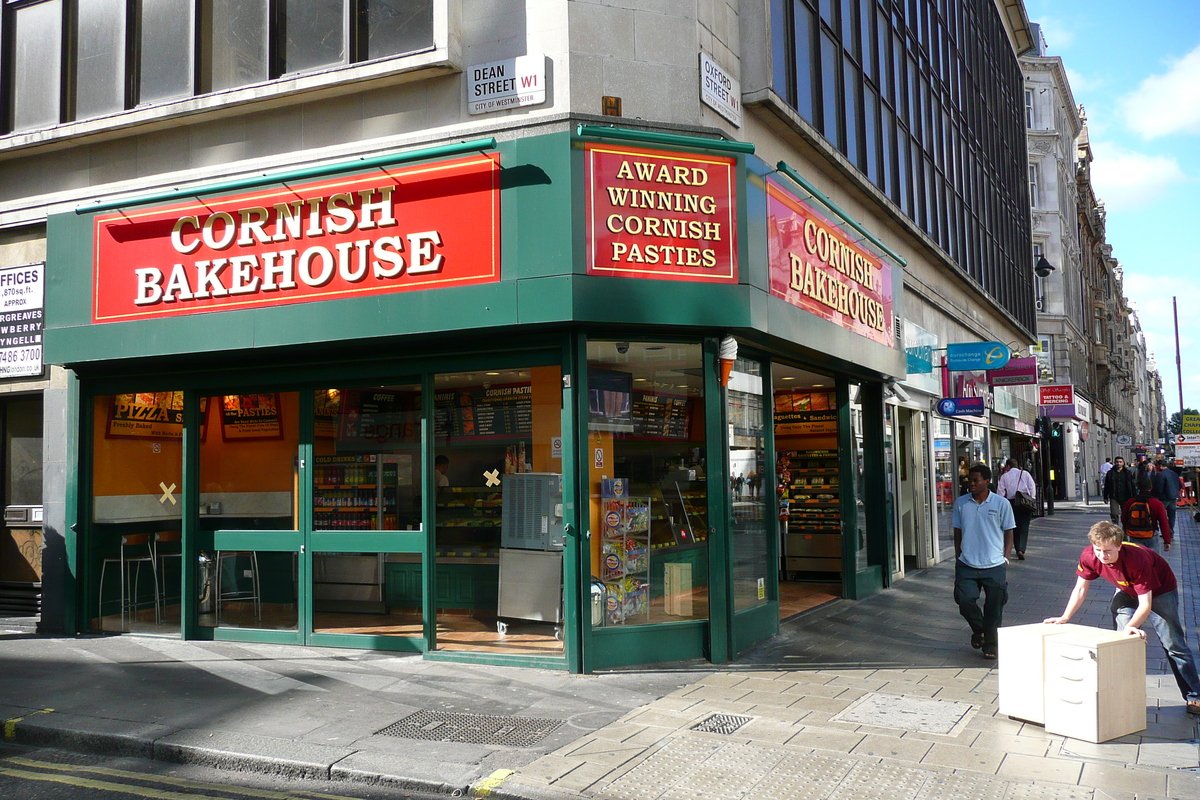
{"x": 793, "y": 749}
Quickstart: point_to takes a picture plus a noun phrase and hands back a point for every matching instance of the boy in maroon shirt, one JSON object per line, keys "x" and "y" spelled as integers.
{"x": 1145, "y": 590}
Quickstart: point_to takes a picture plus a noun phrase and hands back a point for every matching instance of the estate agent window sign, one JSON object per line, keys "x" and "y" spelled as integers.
{"x": 21, "y": 320}
{"x": 393, "y": 230}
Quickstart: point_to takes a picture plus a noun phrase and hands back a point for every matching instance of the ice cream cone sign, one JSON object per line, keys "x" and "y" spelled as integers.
{"x": 727, "y": 355}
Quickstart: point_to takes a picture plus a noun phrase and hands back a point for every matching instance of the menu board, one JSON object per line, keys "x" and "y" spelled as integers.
{"x": 371, "y": 418}
{"x": 798, "y": 413}
{"x": 660, "y": 416}
{"x": 494, "y": 411}
{"x": 327, "y": 407}
{"x": 246, "y": 417}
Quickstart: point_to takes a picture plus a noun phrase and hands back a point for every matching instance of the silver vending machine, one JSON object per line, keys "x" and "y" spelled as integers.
{"x": 531, "y": 550}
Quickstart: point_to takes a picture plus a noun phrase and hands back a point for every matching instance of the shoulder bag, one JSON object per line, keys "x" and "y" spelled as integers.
{"x": 1023, "y": 502}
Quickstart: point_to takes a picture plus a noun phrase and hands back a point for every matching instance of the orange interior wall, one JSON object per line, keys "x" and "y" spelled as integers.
{"x": 807, "y": 442}
{"x": 546, "y": 391}
{"x": 131, "y": 466}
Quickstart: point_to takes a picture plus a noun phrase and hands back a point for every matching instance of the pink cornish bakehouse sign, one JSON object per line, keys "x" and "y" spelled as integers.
{"x": 815, "y": 266}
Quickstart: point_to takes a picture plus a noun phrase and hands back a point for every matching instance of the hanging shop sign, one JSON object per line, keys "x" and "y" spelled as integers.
{"x": 1056, "y": 396}
{"x": 21, "y": 320}
{"x": 1017, "y": 372}
{"x": 511, "y": 83}
{"x": 404, "y": 229}
{"x": 652, "y": 214}
{"x": 961, "y": 406}
{"x": 250, "y": 417}
{"x": 804, "y": 413}
{"x": 817, "y": 267}
{"x": 970, "y": 356}
{"x": 150, "y": 415}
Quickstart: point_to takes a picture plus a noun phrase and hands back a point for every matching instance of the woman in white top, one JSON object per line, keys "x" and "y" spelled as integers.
{"x": 1012, "y": 481}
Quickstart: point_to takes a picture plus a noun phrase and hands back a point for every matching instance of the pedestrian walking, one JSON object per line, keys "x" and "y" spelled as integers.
{"x": 1145, "y": 589}
{"x": 1104, "y": 468}
{"x": 1119, "y": 486}
{"x": 1017, "y": 487}
{"x": 983, "y": 536}
{"x": 1142, "y": 515}
{"x": 1167, "y": 486}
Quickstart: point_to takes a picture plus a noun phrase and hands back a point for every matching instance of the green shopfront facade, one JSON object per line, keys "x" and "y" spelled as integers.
{"x": 470, "y": 401}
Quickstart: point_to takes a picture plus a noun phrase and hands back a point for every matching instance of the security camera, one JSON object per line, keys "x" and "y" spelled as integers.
{"x": 1043, "y": 268}
{"x": 622, "y": 347}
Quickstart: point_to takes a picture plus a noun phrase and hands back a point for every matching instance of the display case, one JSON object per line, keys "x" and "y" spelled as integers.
{"x": 356, "y": 492}
{"x": 469, "y": 519}
{"x": 624, "y": 554}
{"x": 810, "y": 491}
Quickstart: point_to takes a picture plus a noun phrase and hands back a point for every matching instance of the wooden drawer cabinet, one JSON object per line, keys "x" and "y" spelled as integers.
{"x": 1095, "y": 684}
{"x": 1022, "y": 661}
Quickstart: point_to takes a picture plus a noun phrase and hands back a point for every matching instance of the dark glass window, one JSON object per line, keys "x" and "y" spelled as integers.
{"x": 36, "y": 64}
{"x": 100, "y": 58}
{"x": 391, "y": 27}
{"x": 926, "y": 98}
{"x": 238, "y": 54}
{"x": 312, "y": 34}
{"x": 166, "y": 50}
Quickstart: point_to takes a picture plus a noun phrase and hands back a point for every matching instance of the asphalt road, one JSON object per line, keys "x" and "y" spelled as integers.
{"x": 40, "y": 774}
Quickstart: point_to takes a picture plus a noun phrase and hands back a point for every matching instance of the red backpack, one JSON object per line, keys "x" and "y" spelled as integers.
{"x": 1139, "y": 522}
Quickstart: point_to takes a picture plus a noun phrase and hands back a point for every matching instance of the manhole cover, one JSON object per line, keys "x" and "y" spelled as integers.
{"x": 447, "y": 726}
{"x": 721, "y": 723}
{"x": 908, "y": 713}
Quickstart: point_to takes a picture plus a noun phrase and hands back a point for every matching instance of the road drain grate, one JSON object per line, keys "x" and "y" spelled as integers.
{"x": 721, "y": 723}
{"x": 447, "y": 726}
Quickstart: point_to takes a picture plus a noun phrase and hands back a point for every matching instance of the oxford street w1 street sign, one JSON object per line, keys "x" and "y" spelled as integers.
{"x": 972, "y": 356}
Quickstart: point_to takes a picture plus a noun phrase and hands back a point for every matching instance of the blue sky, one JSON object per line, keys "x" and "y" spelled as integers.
{"x": 1135, "y": 67}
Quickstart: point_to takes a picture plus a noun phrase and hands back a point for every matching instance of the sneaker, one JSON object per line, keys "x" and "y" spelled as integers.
{"x": 1193, "y": 706}
{"x": 976, "y": 640}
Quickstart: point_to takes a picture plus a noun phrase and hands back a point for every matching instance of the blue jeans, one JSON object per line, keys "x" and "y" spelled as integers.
{"x": 1154, "y": 543}
{"x": 969, "y": 582}
{"x": 1164, "y": 616}
{"x": 1169, "y": 505}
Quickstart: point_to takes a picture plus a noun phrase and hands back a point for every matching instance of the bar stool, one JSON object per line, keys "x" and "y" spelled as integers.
{"x": 159, "y": 538}
{"x": 247, "y": 595}
{"x": 130, "y": 562}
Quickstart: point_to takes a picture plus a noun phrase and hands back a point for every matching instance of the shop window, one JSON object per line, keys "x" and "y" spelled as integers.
{"x": 249, "y": 483}
{"x": 857, "y": 524}
{"x": 647, "y": 482}
{"x": 750, "y": 495}
{"x": 499, "y": 509}
{"x": 133, "y": 551}
{"x": 367, "y": 476}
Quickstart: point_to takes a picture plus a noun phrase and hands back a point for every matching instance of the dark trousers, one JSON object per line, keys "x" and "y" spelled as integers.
{"x": 969, "y": 582}
{"x": 1021, "y": 534}
{"x": 1169, "y": 505}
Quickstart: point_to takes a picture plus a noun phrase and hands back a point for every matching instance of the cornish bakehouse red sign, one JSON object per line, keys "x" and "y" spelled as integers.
{"x": 390, "y": 230}
{"x": 653, "y": 214}
{"x": 815, "y": 266}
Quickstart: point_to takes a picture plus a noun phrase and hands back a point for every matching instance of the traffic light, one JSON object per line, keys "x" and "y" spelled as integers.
{"x": 1056, "y": 430}
{"x": 1039, "y": 426}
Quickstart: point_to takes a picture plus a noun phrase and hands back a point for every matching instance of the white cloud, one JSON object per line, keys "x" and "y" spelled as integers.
{"x": 1153, "y": 295}
{"x": 1167, "y": 103}
{"x": 1126, "y": 179}
{"x": 1082, "y": 83}
{"x": 1057, "y": 35}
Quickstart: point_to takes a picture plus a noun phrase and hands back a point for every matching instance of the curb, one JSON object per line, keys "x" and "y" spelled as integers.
{"x": 38, "y": 728}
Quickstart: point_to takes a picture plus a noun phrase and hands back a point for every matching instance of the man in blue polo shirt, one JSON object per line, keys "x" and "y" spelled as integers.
{"x": 983, "y": 538}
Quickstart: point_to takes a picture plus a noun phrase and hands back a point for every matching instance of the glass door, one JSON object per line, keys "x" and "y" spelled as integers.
{"x": 249, "y": 537}
{"x": 367, "y": 540}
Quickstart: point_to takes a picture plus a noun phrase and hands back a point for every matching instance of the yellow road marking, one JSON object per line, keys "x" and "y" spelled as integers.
{"x": 485, "y": 786}
{"x": 166, "y": 779}
{"x": 10, "y": 725}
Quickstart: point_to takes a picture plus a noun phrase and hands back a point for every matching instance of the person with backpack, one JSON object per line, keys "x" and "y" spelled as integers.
{"x": 1118, "y": 487}
{"x": 1142, "y": 515}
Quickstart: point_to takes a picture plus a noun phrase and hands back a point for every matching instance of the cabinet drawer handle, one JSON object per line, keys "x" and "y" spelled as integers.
{"x": 1072, "y": 702}
{"x": 1070, "y": 658}
{"x": 1069, "y": 678}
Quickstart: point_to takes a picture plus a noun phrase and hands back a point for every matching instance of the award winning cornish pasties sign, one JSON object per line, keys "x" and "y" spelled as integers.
{"x": 390, "y": 230}
{"x": 652, "y": 214}
{"x": 816, "y": 267}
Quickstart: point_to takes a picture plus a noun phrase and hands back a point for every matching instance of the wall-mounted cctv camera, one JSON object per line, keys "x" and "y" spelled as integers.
{"x": 622, "y": 347}
{"x": 1043, "y": 268}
